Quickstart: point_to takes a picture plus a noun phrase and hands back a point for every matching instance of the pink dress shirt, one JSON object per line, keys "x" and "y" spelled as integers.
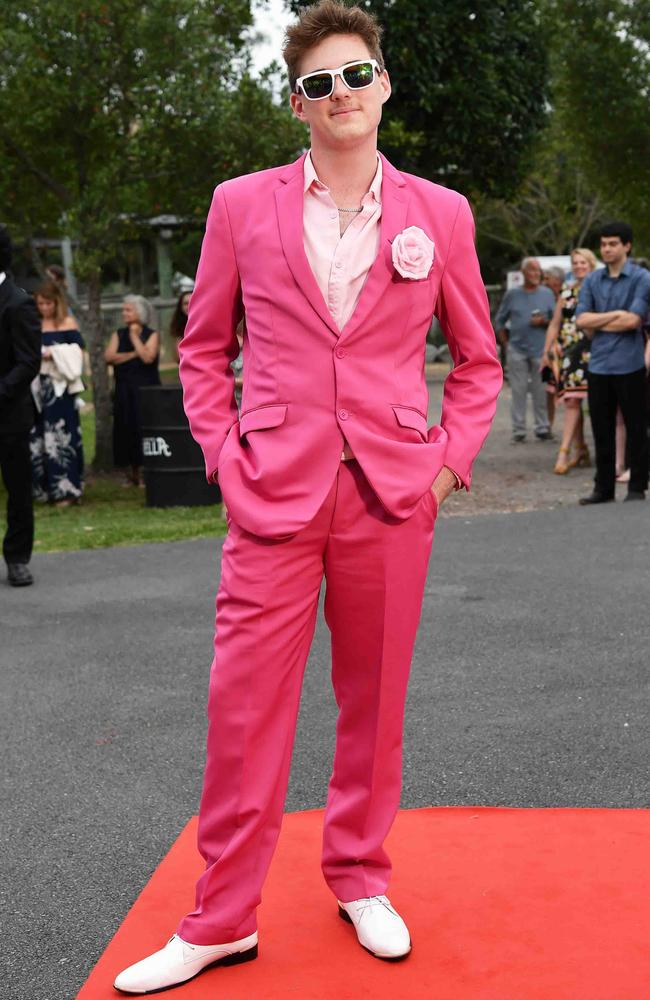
{"x": 340, "y": 263}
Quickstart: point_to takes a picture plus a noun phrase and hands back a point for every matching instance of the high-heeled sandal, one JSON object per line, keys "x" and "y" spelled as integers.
{"x": 581, "y": 459}
{"x": 561, "y": 467}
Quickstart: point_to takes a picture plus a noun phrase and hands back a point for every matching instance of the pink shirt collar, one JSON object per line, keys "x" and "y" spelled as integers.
{"x": 311, "y": 177}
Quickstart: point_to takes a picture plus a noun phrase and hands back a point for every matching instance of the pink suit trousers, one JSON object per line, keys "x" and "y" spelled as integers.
{"x": 375, "y": 567}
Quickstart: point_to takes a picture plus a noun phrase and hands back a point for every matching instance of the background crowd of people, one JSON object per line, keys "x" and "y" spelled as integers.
{"x": 42, "y": 365}
{"x": 582, "y": 337}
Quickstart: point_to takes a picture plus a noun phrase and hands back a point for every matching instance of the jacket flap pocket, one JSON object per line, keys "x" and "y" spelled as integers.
{"x": 409, "y": 417}
{"x": 262, "y": 418}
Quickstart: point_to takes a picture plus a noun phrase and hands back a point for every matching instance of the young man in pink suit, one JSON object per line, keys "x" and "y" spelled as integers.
{"x": 338, "y": 263}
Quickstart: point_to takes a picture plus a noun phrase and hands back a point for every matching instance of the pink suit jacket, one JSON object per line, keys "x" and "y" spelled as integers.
{"x": 309, "y": 385}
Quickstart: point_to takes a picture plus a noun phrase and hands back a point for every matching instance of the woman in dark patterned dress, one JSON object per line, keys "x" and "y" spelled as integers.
{"x": 55, "y": 440}
{"x": 134, "y": 351}
{"x": 566, "y": 353}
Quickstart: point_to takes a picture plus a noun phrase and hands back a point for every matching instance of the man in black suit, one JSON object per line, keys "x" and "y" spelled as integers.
{"x": 20, "y": 360}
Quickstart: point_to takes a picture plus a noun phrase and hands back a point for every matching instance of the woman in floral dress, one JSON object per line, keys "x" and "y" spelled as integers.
{"x": 566, "y": 353}
{"x": 55, "y": 440}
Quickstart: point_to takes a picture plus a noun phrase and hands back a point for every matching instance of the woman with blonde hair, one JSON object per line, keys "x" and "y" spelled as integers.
{"x": 133, "y": 350}
{"x": 55, "y": 440}
{"x": 566, "y": 353}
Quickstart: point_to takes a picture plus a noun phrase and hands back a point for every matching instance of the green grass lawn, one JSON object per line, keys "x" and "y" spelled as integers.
{"x": 111, "y": 514}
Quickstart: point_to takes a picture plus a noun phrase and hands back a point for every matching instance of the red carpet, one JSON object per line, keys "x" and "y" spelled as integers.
{"x": 503, "y": 904}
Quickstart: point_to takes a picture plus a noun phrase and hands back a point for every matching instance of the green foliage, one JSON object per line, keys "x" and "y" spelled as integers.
{"x": 469, "y": 86}
{"x": 113, "y": 112}
{"x": 590, "y": 164}
{"x": 554, "y": 210}
{"x": 601, "y": 68}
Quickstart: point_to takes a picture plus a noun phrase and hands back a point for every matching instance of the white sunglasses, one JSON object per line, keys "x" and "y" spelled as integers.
{"x": 355, "y": 75}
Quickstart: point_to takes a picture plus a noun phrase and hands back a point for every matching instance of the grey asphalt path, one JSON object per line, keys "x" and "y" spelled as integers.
{"x": 529, "y": 688}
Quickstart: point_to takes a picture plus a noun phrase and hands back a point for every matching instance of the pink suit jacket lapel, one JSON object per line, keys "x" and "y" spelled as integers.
{"x": 289, "y": 200}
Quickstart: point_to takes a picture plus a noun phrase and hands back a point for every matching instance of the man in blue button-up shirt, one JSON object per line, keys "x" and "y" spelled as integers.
{"x": 612, "y": 305}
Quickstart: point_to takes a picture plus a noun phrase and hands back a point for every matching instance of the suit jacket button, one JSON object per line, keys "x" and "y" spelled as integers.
{"x": 340, "y": 353}
{"x": 343, "y": 414}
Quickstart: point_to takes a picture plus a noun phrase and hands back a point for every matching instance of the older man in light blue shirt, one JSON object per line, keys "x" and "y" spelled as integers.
{"x": 528, "y": 310}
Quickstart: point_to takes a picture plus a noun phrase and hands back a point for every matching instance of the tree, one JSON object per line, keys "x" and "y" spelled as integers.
{"x": 601, "y": 68}
{"x": 469, "y": 82}
{"x": 111, "y": 112}
{"x": 555, "y": 209}
{"x": 590, "y": 164}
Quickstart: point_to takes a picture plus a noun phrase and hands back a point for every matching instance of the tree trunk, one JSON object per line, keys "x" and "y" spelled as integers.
{"x": 103, "y": 461}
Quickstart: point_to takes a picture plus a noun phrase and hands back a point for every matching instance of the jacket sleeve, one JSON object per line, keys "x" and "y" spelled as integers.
{"x": 26, "y": 338}
{"x": 472, "y": 387}
{"x": 210, "y": 344}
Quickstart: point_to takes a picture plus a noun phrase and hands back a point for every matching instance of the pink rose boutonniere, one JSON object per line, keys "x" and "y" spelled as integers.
{"x": 412, "y": 252}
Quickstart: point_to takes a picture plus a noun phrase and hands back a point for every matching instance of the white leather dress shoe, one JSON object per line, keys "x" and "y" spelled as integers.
{"x": 179, "y": 961}
{"x": 379, "y": 927}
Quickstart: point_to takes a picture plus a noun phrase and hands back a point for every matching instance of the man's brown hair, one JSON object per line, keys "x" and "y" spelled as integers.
{"x": 329, "y": 17}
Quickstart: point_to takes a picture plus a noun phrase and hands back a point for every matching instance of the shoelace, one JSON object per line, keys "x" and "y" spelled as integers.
{"x": 368, "y": 903}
